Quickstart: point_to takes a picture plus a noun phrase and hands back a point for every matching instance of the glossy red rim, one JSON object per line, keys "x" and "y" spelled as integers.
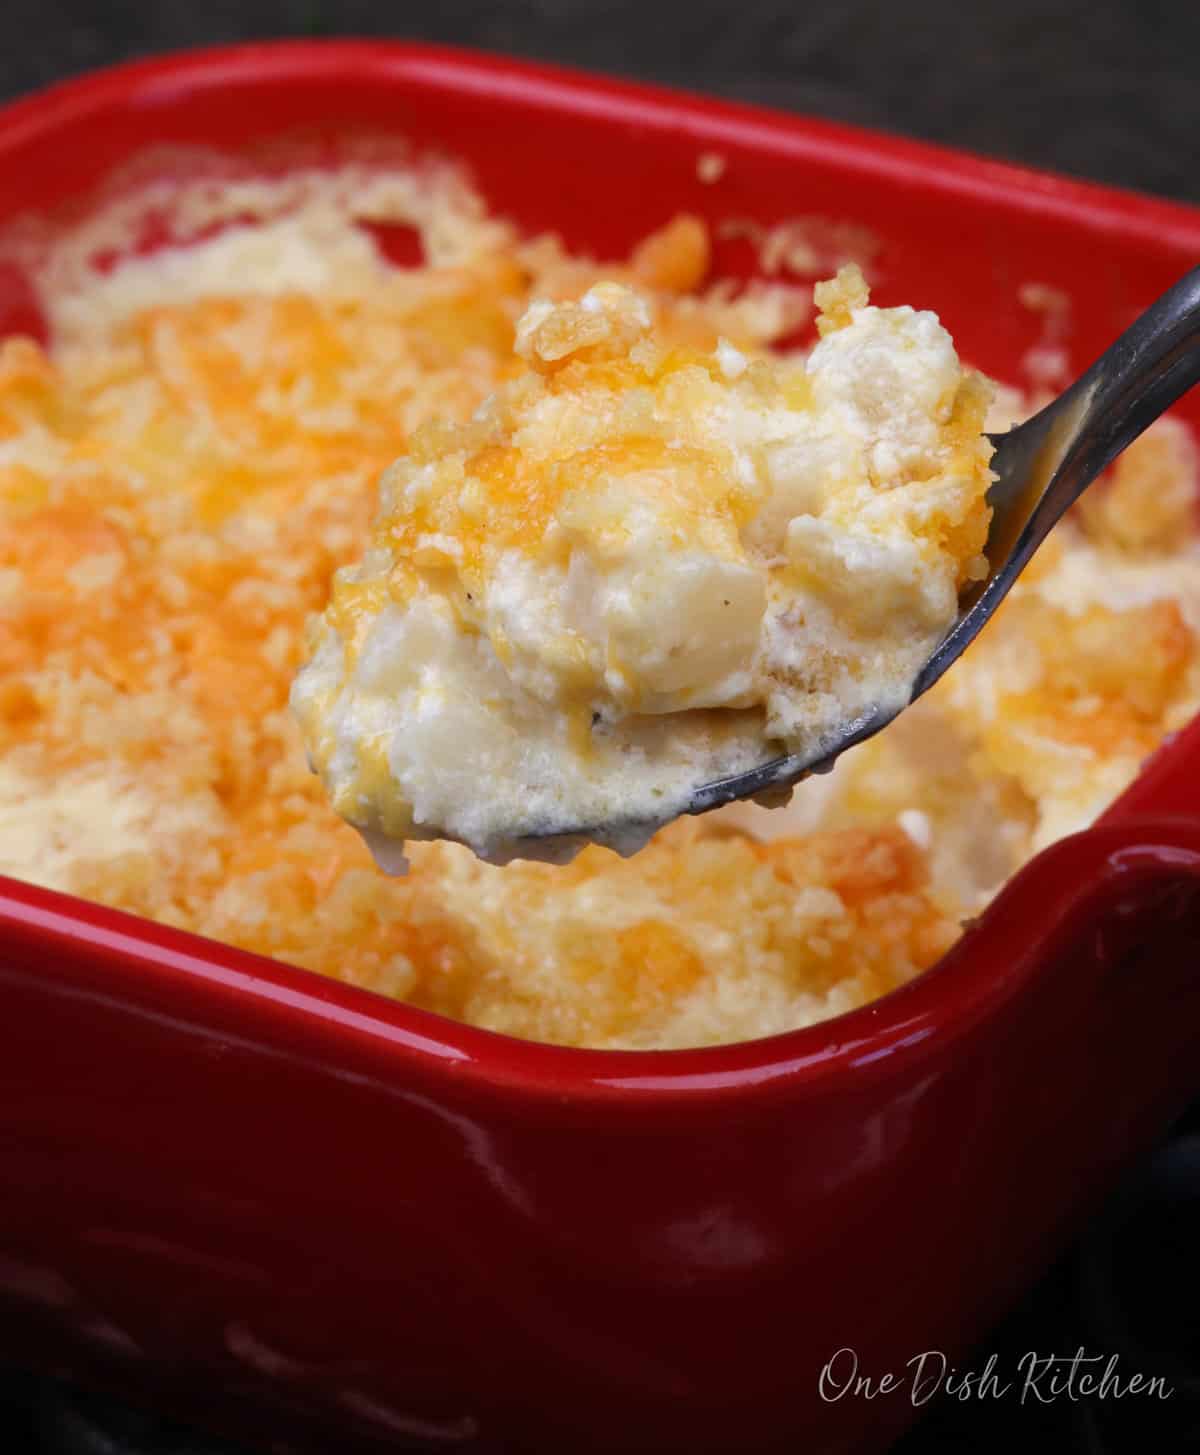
{"x": 71, "y": 103}
{"x": 1149, "y": 831}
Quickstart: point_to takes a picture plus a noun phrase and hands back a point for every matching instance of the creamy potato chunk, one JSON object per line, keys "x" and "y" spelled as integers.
{"x": 640, "y": 567}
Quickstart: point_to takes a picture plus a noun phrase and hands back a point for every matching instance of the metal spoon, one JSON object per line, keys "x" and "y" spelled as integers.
{"x": 1043, "y": 465}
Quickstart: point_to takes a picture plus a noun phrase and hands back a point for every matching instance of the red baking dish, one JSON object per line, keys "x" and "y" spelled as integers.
{"x": 321, "y": 1220}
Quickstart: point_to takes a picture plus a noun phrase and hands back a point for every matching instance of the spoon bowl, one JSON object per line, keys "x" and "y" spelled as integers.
{"x": 1042, "y": 466}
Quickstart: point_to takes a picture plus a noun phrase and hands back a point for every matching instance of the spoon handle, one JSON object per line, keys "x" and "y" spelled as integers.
{"x": 1045, "y": 464}
{"x": 1154, "y": 362}
{"x": 1067, "y": 444}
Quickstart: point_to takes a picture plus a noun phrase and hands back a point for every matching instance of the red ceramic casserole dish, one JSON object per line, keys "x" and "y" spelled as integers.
{"x": 315, "y": 1218}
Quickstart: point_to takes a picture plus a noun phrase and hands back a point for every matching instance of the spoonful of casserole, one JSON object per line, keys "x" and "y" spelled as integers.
{"x": 645, "y": 580}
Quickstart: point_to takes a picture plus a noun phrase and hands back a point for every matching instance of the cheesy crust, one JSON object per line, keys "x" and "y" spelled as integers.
{"x": 640, "y": 567}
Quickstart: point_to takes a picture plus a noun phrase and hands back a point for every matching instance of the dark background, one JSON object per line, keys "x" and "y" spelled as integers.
{"x": 1108, "y": 89}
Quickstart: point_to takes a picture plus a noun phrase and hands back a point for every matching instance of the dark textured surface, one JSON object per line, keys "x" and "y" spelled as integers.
{"x": 1108, "y": 89}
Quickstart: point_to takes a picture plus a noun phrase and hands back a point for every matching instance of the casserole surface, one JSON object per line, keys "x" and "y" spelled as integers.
{"x": 359, "y": 932}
